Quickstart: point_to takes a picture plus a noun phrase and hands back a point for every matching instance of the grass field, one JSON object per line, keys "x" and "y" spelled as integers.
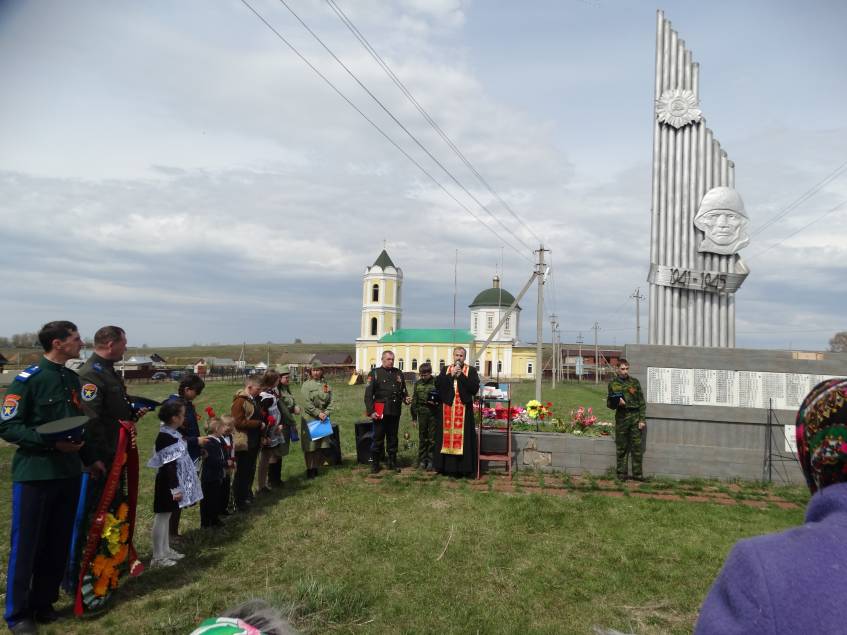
{"x": 406, "y": 555}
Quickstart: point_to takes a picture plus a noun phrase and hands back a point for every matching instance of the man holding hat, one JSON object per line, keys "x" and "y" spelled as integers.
{"x": 45, "y": 476}
{"x": 317, "y": 404}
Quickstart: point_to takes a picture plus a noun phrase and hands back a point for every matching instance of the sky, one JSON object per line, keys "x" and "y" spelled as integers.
{"x": 174, "y": 168}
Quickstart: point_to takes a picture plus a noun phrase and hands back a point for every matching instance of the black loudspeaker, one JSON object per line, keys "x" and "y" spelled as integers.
{"x": 332, "y": 454}
{"x": 364, "y": 441}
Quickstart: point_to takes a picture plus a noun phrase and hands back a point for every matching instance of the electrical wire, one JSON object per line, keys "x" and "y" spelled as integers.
{"x": 388, "y": 112}
{"x": 806, "y": 226}
{"x": 802, "y": 198}
{"x": 399, "y": 83}
{"x": 377, "y": 128}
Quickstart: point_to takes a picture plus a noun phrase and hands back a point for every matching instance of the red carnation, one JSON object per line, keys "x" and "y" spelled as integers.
{"x": 210, "y": 412}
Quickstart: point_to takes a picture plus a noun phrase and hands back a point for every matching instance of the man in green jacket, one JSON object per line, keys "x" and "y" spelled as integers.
{"x": 627, "y": 399}
{"x": 45, "y": 477}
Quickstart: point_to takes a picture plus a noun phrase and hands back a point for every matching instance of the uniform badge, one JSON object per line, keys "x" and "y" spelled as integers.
{"x": 399, "y": 379}
{"x": 89, "y": 392}
{"x": 97, "y": 366}
{"x": 326, "y": 387}
{"x": 10, "y": 407}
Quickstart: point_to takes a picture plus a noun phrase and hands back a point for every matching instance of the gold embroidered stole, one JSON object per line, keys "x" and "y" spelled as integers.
{"x": 453, "y": 426}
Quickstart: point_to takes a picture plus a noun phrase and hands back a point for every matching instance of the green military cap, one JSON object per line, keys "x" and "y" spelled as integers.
{"x": 284, "y": 370}
{"x": 317, "y": 364}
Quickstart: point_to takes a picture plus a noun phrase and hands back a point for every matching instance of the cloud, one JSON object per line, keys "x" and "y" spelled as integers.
{"x": 178, "y": 170}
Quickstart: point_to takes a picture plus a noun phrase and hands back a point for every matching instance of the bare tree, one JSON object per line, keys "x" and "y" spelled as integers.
{"x": 838, "y": 343}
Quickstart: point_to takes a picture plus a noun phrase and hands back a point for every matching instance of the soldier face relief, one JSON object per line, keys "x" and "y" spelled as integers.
{"x": 722, "y": 219}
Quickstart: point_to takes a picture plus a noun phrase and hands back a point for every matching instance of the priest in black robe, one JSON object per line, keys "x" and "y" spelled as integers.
{"x": 455, "y": 449}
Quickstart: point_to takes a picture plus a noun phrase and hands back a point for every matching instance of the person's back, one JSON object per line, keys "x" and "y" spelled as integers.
{"x": 795, "y": 581}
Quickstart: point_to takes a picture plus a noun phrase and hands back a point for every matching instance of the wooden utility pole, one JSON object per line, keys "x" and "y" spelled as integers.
{"x": 638, "y": 297}
{"x": 554, "y": 365}
{"x": 541, "y": 272}
{"x": 579, "y": 341}
{"x": 596, "y": 328}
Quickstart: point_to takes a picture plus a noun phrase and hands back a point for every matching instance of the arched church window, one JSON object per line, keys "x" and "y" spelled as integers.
{"x": 441, "y": 363}
{"x": 476, "y": 364}
{"x": 374, "y": 326}
{"x": 475, "y": 322}
{"x": 499, "y": 366}
{"x": 375, "y": 293}
{"x": 414, "y": 363}
{"x": 400, "y": 363}
{"x": 508, "y": 322}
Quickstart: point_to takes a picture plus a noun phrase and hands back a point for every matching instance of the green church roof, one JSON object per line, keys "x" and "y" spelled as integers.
{"x": 495, "y": 296}
{"x": 383, "y": 260}
{"x": 428, "y": 336}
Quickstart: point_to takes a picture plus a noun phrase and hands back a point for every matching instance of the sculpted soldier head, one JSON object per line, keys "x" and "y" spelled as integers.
{"x": 722, "y": 218}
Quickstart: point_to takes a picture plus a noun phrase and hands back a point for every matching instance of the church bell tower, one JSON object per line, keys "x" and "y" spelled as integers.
{"x": 381, "y": 287}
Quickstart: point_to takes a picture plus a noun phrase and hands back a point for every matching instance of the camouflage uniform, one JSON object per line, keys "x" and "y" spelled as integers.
{"x": 628, "y": 438}
{"x": 424, "y": 411}
{"x": 317, "y": 398}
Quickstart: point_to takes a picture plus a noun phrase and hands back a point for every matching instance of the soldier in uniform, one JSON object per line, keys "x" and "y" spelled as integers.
{"x": 45, "y": 478}
{"x": 385, "y": 385}
{"x": 424, "y": 412}
{"x": 104, "y": 397}
{"x": 627, "y": 399}
{"x": 317, "y": 404}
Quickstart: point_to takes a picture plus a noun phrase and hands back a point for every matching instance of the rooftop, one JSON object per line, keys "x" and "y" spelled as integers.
{"x": 383, "y": 260}
{"x": 428, "y": 336}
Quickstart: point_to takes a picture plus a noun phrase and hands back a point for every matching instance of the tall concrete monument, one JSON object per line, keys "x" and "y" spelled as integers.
{"x": 699, "y": 223}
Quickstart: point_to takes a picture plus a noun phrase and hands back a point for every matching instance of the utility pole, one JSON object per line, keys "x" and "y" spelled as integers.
{"x": 596, "y": 328}
{"x": 554, "y": 366}
{"x": 579, "y": 341}
{"x": 541, "y": 272}
{"x": 638, "y": 298}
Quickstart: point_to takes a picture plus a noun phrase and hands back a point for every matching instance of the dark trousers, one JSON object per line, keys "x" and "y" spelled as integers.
{"x": 210, "y": 505}
{"x": 42, "y": 523}
{"x": 385, "y": 427}
{"x": 225, "y": 493}
{"x": 245, "y": 472}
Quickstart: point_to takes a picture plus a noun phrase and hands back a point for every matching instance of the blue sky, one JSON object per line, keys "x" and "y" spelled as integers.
{"x": 173, "y": 168}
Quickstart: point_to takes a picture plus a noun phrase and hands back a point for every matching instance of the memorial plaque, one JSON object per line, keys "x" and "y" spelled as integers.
{"x": 729, "y": 388}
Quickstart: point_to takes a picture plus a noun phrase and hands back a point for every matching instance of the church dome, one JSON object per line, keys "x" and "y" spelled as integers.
{"x": 495, "y": 296}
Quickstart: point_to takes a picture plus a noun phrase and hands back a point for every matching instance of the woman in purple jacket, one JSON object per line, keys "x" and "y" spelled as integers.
{"x": 795, "y": 581}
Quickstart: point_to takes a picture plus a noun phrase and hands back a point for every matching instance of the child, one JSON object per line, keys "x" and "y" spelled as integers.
{"x": 213, "y": 475}
{"x": 227, "y": 428}
{"x": 176, "y": 480}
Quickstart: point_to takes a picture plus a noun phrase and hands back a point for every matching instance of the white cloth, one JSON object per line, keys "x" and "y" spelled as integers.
{"x": 186, "y": 473}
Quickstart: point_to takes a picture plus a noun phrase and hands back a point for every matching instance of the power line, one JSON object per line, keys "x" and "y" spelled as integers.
{"x": 377, "y": 128}
{"x": 399, "y": 83}
{"x": 806, "y": 226}
{"x": 387, "y": 111}
{"x": 802, "y": 198}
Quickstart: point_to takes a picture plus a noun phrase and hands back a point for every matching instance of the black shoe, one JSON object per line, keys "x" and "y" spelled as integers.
{"x": 392, "y": 464}
{"x": 46, "y": 615}
{"x": 375, "y": 467}
{"x": 25, "y": 626}
{"x": 311, "y": 473}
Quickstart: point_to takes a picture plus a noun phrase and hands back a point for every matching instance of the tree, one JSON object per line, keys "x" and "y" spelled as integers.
{"x": 297, "y": 340}
{"x": 838, "y": 343}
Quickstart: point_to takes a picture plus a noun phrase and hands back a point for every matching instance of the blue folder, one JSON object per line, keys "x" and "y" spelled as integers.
{"x": 319, "y": 429}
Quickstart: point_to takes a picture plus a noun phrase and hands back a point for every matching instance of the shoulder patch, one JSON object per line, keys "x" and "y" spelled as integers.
{"x": 97, "y": 366}
{"x": 10, "y": 407}
{"x": 89, "y": 392}
{"x": 25, "y": 374}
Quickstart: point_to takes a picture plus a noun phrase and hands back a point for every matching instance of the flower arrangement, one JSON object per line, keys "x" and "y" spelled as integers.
{"x": 114, "y": 551}
{"x": 537, "y": 410}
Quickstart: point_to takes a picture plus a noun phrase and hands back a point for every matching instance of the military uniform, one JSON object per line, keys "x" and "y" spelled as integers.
{"x": 385, "y": 386}
{"x": 104, "y": 399}
{"x": 286, "y": 407}
{"x": 628, "y": 437}
{"x": 424, "y": 410}
{"x": 45, "y": 487}
{"x": 317, "y": 398}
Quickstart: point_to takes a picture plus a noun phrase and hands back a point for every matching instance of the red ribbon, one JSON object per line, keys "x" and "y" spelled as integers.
{"x": 126, "y": 455}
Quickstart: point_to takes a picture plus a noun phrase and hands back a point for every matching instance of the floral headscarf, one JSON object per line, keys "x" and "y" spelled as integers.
{"x": 225, "y": 626}
{"x": 822, "y": 434}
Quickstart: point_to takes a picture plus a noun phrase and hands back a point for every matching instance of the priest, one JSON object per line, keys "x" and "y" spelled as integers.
{"x": 455, "y": 438}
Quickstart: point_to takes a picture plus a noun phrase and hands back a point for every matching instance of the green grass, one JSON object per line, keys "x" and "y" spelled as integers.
{"x": 340, "y": 554}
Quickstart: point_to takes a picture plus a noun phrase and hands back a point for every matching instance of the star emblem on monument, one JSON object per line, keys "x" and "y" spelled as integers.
{"x": 677, "y": 107}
